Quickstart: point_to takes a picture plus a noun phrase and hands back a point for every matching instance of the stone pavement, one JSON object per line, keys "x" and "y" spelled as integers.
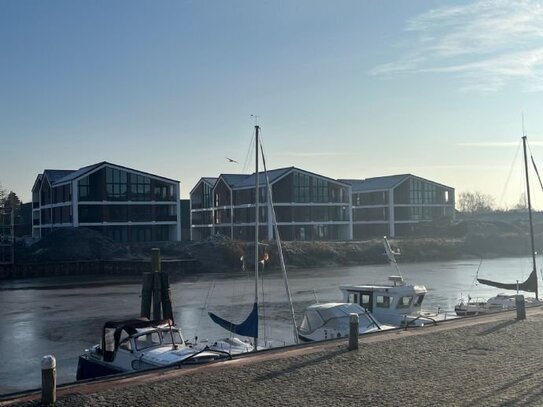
{"x": 484, "y": 361}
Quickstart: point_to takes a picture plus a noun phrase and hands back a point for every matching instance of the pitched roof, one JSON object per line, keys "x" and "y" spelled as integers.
{"x": 70, "y": 175}
{"x": 210, "y": 180}
{"x": 374, "y": 184}
{"x": 78, "y": 173}
{"x": 233, "y": 179}
{"x": 249, "y": 180}
{"x": 54, "y": 175}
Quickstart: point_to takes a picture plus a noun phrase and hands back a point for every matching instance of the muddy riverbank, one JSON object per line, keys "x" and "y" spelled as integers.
{"x": 69, "y": 251}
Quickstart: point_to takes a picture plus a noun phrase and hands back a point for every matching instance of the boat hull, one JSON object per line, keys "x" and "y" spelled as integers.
{"x": 90, "y": 369}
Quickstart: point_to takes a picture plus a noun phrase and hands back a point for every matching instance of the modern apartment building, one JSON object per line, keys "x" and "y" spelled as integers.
{"x": 123, "y": 203}
{"x": 308, "y": 206}
{"x": 397, "y": 205}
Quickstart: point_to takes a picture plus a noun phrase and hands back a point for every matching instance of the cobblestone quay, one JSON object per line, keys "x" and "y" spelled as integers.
{"x": 483, "y": 361}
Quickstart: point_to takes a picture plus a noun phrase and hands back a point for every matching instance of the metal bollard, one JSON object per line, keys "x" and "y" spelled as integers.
{"x": 353, "y": 331}
{"x": 48, "y": 380}
{"x": 521, "y": 307}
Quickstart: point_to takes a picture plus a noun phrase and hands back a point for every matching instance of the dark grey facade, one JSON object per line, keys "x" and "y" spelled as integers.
{"x": 397, "y": 205}
{"x": 122, "y": 203}
{"x": 308, "y": 206}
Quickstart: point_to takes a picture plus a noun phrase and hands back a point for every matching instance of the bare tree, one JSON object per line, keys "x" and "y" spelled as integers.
{"x": 475, "y": 202}
{"x": 3, "y": 195}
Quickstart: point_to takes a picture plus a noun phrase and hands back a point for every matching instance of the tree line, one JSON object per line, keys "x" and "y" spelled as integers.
{"x": 10, "y": 204}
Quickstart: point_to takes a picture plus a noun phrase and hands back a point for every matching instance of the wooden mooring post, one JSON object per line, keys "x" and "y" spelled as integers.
{"x": 155, "y": 291}
{"x": 520, "y": 305}
{"x": 353, "y": 331}
{"x": 48, "y": 380}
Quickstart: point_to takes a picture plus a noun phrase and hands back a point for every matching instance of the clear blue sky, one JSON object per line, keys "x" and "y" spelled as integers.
{"x": 348, "y": 89}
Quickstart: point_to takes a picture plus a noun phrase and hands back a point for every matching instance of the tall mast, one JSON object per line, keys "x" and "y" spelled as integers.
{"x": 257, "y": 210}
{"x": 529, "y": 209}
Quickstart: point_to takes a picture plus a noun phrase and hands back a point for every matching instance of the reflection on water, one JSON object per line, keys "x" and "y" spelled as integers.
{"x": 63, "y": 316}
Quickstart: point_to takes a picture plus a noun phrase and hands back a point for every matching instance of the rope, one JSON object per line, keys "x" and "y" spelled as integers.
{"x": 474, "y": 282}
{"x": 509, "y": 175}
{"x": 249, "y": 153}
{"x": 279, "y": 248}
{"x": 204, "y": 308}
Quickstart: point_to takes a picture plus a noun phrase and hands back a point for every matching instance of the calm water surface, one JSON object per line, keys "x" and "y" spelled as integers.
{"x": 63, "y": 316}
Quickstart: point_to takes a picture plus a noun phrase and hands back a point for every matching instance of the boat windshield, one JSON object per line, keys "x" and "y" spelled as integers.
{"x": 312, "y": 320}
{"x": 167, "y": 336}
{"x": 418, "y": 300}
{"x": 147, "y": 340}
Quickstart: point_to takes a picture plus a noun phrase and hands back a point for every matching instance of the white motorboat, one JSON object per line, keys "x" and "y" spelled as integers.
{"x": 397, "y": 304}
{"x": 331, "y": 320}
{"x": 139, "y": 344}
{"x": 501, "y": 302}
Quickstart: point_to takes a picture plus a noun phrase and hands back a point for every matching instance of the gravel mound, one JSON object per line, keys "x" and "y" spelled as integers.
{"x": 71, "y": 244}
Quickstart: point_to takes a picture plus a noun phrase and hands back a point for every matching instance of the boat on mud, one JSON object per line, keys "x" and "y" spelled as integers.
{"x": 395, "y": 303}
{"x": 136, "y": 345}
{"x": 332, "y": 321}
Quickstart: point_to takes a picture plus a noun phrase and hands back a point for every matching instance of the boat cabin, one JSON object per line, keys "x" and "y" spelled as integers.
{"x": 388, "y": 302}
{"x": 137, "y": 335}
{"x": 332, "y": 320}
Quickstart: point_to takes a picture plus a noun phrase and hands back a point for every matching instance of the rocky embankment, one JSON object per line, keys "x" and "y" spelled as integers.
{"x": 217, "y": 254}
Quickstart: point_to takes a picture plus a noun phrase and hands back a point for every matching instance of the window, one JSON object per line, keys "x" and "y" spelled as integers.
{"x": 116, "y": 184}
{"x": 320, "y": 190}
{"x": 168, "y": 335}
{"x": 418, "y": 300}
{"x": 365, "y": 301}
{"x": 116, "y": 213}
{"x": 404, "y": 302}
{"x": 62, "y": 194}
{"x": 353, "y": 298}
{"x": 206, "y": 201}
{"x": 422, "y": 192}
{"x": 147, "y": 340}
{"x": 84, "y": 188}
{"x": 140, "y": 188}
{"x": 126, "y": 345}
{"x": 382, "y": 301}
{"x": 163, "y": 192}
{"x": 301, "y": 188}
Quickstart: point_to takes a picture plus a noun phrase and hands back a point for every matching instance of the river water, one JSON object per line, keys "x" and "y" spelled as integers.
{"x": 64, "y": 315}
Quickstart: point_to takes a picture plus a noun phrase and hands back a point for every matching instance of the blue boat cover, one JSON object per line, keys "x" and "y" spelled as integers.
{"x": 249, "y": 327}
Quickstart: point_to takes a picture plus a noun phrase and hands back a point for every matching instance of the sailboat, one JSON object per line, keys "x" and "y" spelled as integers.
{"x": 503, "y": 302}
{"x": 249, "y": 327}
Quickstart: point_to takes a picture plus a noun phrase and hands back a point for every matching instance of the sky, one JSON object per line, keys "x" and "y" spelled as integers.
{"x": 346, "y": 89}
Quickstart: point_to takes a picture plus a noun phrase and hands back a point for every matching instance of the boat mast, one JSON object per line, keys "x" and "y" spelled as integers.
{"x": 257, "y": 210}
{"x": 529, "y": 209}
{"x": 279, "y": 247}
